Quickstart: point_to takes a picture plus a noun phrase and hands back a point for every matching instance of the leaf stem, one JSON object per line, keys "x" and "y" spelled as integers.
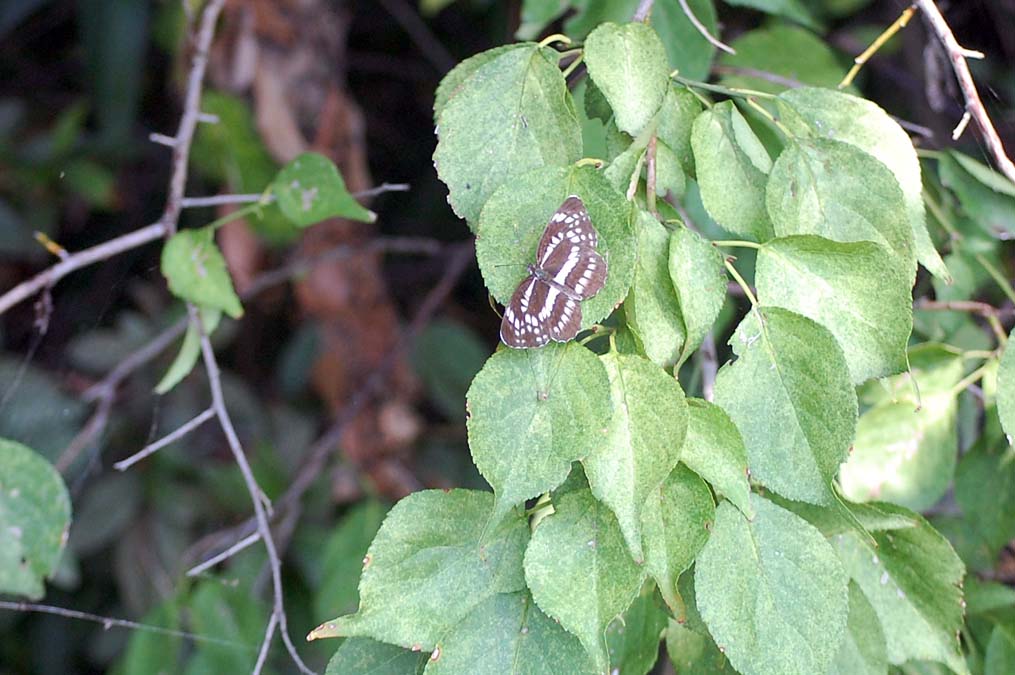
{"x": 761, "y": 110}
{"x": 556, "y": 37}
{"x": 736, "y": 243}
{"x": 969, "y": 379}
{"x": 879, "y": 42}
{"x": 996, "y": 275}
{"x": 740, "y": 281}
{"x": 235, "y": 215}
{"x": 735, "y": 92}
{"x": 571, "y": 66}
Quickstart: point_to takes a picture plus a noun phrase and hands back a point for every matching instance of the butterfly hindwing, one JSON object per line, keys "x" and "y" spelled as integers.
{"x": 522, "y": 327}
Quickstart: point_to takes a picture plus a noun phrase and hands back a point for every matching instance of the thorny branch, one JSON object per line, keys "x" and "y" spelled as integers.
{"x": 974, "y": 106}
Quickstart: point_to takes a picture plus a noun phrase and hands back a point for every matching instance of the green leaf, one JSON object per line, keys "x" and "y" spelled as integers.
{"x": 834, "y": 190}
{"x": 850, "y": 119}
{"x": 788, "y": 51}
{"x": 798, "y": 432}
{"x": 642, "y": 443}
{"x": 431, "y": 563}
{"x": 533, "y": 412}
{"x": 147, "y": 651}
{"x": 686, "y": 48}
{"x": 669, "y": 172}
{"x": 508, "y": 634}
{"x": 857, "y": 291}
{"x": 651, "y": 307}
{"x": 985, "y": 489}
{"x": 628, "y": 64}
{"x": 699, "y": 280}
{"x": 190, "y": 350}
{"x": 579, "y": 570}
{"x": 771, "y": 591}
{"x": 912, "y": 579}
{"x": 516, "y": 216}
{"x": 692, "y": 653}
{"x": 676, "y": 120}
{"x": 633, "y": 639}
{"x": 310, "y": 189}
{"x": 447, "y": 356}
{"x": 34, "y": 517}
{"x": 732, "y": 168}
{"x": 197, "y": 272}
{"x": 364, "y": 656}
{"x": 791, "y": 9}
{"x": 513, "y": 114}
{"x": 906, "y": 444}
{"x": 537, "y": 14}
{"x": 341, "y": 560}
{"x": 986, "y": 197}
{"x": 676, "y": 520}
{"x": 1000, "y": 658}
{"x": 863, "y": 650}
{"x": 228, "y": 613}
{"x": 1006, "y": 389}
{"x": 454, "y": 81}
{"x": 715, "y": 451}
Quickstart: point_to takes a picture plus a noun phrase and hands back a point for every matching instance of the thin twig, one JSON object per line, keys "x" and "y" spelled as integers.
{"x": 974, "y": 106}
{"x": 168, "y": 439}
{"x": 225, "y": 555}
{"x": 644, "y": 9}
{"x": 700, "y": 27}
{"x": 111, "y": 622}
{"x": 269, "y": 632}
{"x": 220, "y": 200}
{"x": 990, "y": 313}
{"x": 774, "y": 78}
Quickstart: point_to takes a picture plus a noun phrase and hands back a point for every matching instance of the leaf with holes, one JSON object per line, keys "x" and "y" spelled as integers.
{"x": 310, "y": 189}
{"x": 34, "y": 517}
{"x": 197, "y": 272}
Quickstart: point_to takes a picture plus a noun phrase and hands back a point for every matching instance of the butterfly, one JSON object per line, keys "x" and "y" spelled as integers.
{"x": 568, "y": 269}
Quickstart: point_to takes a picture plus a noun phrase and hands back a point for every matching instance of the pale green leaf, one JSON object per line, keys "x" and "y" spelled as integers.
{"x": 517, "y": 214}
{"x": 863, "y": 650}
{"x": 642, "y": 444}
{"x": 715, "y": 451}
{"x": 837, "y": 191}
{"x": 692, "y": 653}
{"x": 983, "y": 173}
{"x": 798, "y": 432}
{"x": 508, "y": 634}
{"x": 987, "y": 198}
{"x": 1000, "y": 657}
{"x": 197, "y": 272}
{"x": 364, "y": 656}
{"x": 651, "y": 307}
{"x": 628, "y": 64}
{"x": 190, "y": 350}
{"x": 699, "y": 280}
{"x": 580, "y": 572}
{"x": 456, "y": 78}
{"x": 791, "y": 9}
{"x": 310, "y": 189}
{"x": 430, "y": 564}
{"x": 676, "y": 520}
{"x": 676, "y": 119}
{"x": 912, "y": 579}
{"x": 771, "y": 591}
{"x": 532, "y": 413}
{"x": 1006, "y": 389}
{"x": 850, "y": 119}
{"x": 513, "y": 114}
{"x": 633, "y": 638}
{"x": 855, "y": 290}
{"x": 34, "y": 517}
{"x": 985, "y": 489}
{"x": 795, "y": 54}
{"x": 732, "y": 168}
{"x": 669, "y": 172}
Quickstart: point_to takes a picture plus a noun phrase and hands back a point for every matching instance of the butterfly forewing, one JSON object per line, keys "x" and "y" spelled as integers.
{"x": 568, "y": 269}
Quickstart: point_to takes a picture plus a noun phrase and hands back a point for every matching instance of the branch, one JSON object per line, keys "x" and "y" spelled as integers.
{"x": 700, "y": 27}
{"x": 168, "y": 439}
{"x": 974, "y": 106}
{"x": 219, "y": 200}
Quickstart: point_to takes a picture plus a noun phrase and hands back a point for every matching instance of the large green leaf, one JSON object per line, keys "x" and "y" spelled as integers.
{"x": 791, "y": 397}
{"x": 197, "y": 272}
{"x": 986, "y": 197}
{"x": 715, "y": 451}
{"x": 633, "y": 638}
{"x": 453, "y": 82}
{"x": 232, "y": 615}
{"x": 628, "y": 64}
{"x": 858, "y": 291}
{"x": 693, "y": 653}
{"x": 580, "y": 572}
{"x": 913, "y": 579}
{"x": 835, "y": 190}
{"x": 1000, "y": 656}
{"x": 363, "y": 655}
{"x": 1006, "y": 389}
{"x": 532, "y": 413}
{"x": 435, "y": 558}
{"x": 699, "y": 280}
{"x": 837, "y": 115}
{"x": 310, "y": 189}
{"x": 676, "y": 120}
{"x": 651, "y": 307}
{"x": 863, "y": 650}
{"x": 732, "y": 168}
{"x": 985, "y": 489}
{"x": 642, "y": 443}
{"x": 676, "y": 520}
{"x": 514, "y": 113}
{"x": 771, "y": 591}
{"x": 34, "y": 517}
{"x": 791, "y": 9}
{"x": 508, "y": 634}
{"x": 794, "y": 53}
{"x": 516, "y": 216}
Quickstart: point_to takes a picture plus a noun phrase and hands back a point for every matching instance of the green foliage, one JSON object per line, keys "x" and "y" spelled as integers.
{"x": 197, "y": 272}
{"x": 34, "y": 518}
{"x": 190, "y": 350}
{"x": 796, "y": 54}
{"x": 310, "y": 189}
{"x": 1006, "y": 390}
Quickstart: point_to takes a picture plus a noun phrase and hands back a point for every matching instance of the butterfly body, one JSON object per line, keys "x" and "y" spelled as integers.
{"x": 568, "y": 269}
